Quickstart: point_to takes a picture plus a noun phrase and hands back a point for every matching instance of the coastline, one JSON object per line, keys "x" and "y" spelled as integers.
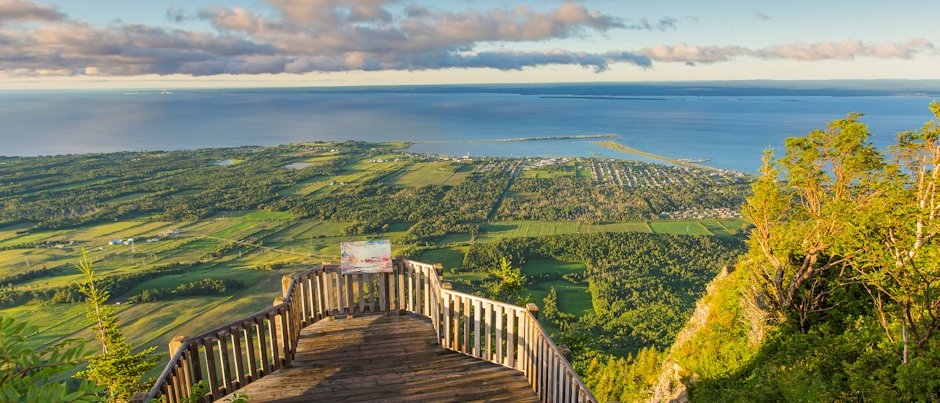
{"x": 629, "y": 150}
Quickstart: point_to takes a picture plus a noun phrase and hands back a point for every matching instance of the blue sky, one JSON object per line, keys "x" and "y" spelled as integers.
{"x": 81, "y": 43}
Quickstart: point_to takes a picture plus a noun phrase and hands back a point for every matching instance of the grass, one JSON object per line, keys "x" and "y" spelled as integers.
{"x": 428, "y": 173}
{"x": 448, "y": 257}
{"x": 679, "y": 227}
{"x": 572, "y": 298}
{"x": 513, "y": 229}
{"x": 256, "y": 215}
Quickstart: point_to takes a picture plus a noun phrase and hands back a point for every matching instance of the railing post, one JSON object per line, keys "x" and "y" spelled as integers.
{"x": 173, "y": 346}
{"x": 279, "y": 323}
{"x": 285, "y": 284}
{"x": 565, "y": 351}
{"x": 533, "y": 309}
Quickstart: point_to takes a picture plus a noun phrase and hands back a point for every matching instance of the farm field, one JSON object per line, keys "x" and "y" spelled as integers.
{"x": 513, "y": 229}
{"x": 431, "y": 173}
{"x": 240, "y": 215}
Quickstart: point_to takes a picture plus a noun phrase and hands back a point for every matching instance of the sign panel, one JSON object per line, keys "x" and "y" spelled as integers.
{"x": 366, "y": 257}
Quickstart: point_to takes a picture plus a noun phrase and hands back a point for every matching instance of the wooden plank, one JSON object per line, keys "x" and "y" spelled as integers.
{"x": 371, "y": 292}
{"x": 194, "y": 361}
{"x": 510, "y": 339}
{"x": 186, "y": 369}
{"x": 212, "y": 377}
{"x": 344, "y": 288}
{"x": 239, "y": 363}
{"x": 224, "y": 361}
{"x": 252, "y": 361}
{"x": 521, "y": 340}
{"x": 383, "y": 292}
{"x": 500, "y": 358}
{"x": 174, "y": 391}
{"x": 488, "y": 331}
{"x": 447, "y": 320}
{"x": 465, "y": 346}
{"x": 376, "y": 358}
{"x": 360, "y": 281}
{"x": 411, "y": 289}
{"x": 272, "y": 338}
{"x": 477, "y": 321}
{"x": 400, "y": 303}
{"x": 285, "y": 341}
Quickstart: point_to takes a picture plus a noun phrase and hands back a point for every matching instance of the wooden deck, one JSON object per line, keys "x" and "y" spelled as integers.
{"x": 378, "y": 358}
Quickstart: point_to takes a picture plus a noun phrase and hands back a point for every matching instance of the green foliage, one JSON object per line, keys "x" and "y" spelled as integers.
{"x": 624, "y": 379}
{"x": 845, "y": 259}
{"x": 117, "y": 368}
{"x": 507, "y": 283}
{"x": 201, "y": 389}
{"x": 28, "y": 374}
{"x": 198, "y": 391}
{"x": 550, "y": 304}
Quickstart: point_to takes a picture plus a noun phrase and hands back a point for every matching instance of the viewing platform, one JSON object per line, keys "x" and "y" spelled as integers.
{"x": 392, "y": 337}
{"x": 385, "y": 358}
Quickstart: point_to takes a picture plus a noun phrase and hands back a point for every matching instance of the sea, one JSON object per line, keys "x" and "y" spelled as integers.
{"x": 727, "y": 124}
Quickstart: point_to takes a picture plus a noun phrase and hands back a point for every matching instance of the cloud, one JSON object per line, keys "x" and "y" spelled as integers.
{"x": 23, "y": 10}
{"x": 664, "y": 24}
{"x": 848, "y": 49}
{"x": 760, "y": 15}
{"x": 306, "y": 36}
{"x": 175, "y": 14}
{"x": 300, "y": 36}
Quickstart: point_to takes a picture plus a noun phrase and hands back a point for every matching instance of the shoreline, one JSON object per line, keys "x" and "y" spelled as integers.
{"x": 521, "y": 139}
{"x": 675, "y": 161}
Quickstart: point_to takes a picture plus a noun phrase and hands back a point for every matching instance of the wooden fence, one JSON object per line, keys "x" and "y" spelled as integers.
{"x": 232, "y": 356}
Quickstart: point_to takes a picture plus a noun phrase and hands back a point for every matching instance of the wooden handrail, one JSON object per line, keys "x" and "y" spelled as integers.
{"x": 231, "y": 356}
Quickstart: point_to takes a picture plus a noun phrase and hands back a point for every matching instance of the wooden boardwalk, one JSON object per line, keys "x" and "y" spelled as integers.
{"x": 378, "y": 358}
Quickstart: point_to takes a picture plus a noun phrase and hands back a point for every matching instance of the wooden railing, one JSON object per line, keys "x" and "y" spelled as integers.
{"x": 232, "y": 356}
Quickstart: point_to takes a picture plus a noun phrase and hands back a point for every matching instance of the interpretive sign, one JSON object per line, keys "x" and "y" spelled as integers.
{"x": 366, "y": 257}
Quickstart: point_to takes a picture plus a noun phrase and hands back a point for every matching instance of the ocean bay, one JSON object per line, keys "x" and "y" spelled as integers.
{"x": 729, "y": 130}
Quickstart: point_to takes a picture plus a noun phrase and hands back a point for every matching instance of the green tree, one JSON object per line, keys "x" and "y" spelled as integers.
{"x": 27, "y": 373}
{"x": 116, "y": 367}
{"x": 550, "y": 304}
{"x": 507, "y": 283}
{"x": 797, "y": 245}
{"x": 845, "y": 215}
{"x": 899, "y": 263}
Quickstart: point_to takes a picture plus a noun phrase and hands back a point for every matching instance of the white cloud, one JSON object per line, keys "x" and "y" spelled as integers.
{"x": 848, "y": 49}
{"x": 302, "y": 36}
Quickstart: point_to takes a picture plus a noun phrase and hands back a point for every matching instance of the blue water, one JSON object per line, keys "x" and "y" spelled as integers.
{"x": 730, "y": 130}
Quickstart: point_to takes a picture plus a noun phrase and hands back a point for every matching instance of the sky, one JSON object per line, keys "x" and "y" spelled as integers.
{"x": 217, "y": 43}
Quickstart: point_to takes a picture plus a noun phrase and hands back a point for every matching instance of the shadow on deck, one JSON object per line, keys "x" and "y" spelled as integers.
{"x": 385, "y": 359}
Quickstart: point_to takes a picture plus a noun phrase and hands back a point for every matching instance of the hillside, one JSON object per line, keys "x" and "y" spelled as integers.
{"x": 837, "y": 296}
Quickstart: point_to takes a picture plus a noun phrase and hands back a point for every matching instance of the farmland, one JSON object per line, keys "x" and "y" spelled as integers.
{"x": 159, "y": 220}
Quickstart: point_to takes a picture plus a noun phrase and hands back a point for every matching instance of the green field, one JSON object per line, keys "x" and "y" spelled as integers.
{"x": 447, "y": 257}
{"x": 430, "y": 173}
{"x": 679, "y": 227}
{"x": 513, "y": 229}
{"x": 572, "y": 298}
